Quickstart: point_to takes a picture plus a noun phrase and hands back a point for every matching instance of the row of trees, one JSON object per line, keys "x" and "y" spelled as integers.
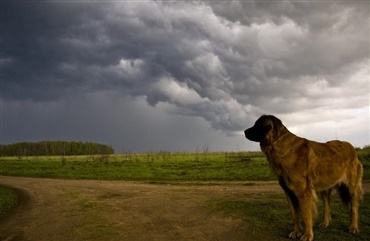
{"x": 54, "y": 148}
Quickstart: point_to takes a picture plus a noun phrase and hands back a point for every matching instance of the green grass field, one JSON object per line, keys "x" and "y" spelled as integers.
{"x": 163, "y": 166}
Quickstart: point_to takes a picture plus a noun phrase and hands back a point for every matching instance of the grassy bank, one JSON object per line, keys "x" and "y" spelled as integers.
{"x": 162, "y": 166}
{"x": 8, "y": 200}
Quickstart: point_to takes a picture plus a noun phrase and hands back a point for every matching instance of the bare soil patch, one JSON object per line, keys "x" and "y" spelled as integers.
{"x": 54, "y": 209}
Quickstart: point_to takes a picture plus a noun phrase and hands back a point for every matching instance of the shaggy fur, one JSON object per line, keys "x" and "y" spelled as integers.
{"x": 305, "y": 167}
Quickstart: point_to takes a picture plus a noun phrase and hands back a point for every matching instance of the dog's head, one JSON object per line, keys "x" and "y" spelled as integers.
{"x": 266, "y": 128}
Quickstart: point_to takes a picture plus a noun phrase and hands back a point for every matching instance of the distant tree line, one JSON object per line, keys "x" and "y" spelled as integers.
{"x": 54, "y": 148}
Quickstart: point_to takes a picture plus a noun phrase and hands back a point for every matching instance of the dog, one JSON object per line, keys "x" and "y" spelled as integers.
{"x": 304, "y": 168}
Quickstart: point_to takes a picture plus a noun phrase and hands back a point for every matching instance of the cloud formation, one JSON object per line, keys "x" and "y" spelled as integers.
{"x": 226, "y": 63}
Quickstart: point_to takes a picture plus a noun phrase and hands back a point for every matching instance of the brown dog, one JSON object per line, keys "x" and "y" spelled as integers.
{"x": 304, "y": 167}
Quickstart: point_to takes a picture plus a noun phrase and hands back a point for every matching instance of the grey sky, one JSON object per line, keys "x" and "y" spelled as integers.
{"x": 150, "y": 75}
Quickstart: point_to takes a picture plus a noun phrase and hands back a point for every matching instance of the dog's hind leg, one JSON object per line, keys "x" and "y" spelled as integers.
{"x": 351, "y": 193}
{"x": 325, "y": 195}
{"x": 355, "y": 194}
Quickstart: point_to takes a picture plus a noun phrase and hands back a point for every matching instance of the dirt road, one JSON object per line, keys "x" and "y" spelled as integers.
{"x": 53, "y": 209}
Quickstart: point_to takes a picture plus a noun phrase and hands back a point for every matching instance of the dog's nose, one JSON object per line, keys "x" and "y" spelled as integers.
{"x": 246, "y": 133}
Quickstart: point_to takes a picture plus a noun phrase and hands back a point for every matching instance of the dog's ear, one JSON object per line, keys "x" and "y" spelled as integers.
{"x": 277, "y": 122}
{"x": 268, "y": 127}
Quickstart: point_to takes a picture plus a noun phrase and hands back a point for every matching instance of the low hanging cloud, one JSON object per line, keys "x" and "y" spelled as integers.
{"x": 227, "y": 63}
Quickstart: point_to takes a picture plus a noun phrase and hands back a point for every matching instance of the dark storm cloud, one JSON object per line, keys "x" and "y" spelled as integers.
{"x": 224, "y": 62}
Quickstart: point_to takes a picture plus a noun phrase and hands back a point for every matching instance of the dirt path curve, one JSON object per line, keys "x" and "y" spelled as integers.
{"x": 118, "y": 210}
{"x": 91, "y": 210}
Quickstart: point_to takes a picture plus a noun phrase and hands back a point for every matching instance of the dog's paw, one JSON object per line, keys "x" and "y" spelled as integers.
{"x": 324, "y": 225}
{"x": 307, "y": 238}
{"x": 354, "y": 230}
{"x": 295, "y": 234}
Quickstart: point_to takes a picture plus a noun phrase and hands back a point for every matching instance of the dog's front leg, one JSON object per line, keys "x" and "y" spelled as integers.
{"x": 307, "y": 203}
{"x": 294, "y": 208}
